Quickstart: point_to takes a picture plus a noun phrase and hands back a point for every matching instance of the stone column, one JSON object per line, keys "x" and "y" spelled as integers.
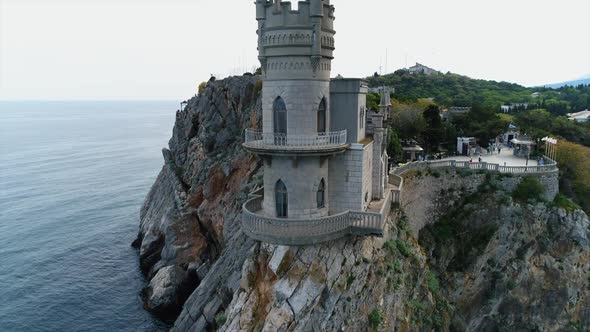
{"x": 377, "y": 180}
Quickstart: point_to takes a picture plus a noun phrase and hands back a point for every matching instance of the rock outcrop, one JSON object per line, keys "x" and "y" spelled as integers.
{"x": 205, "y": 178}
{"x": 510, "y": 266}
{"x": 482, "y": 262}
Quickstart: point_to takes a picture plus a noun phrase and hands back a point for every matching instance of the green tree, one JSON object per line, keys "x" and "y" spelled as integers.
{"x": 409, "y": 121}
{"x": 574, "y": 168}
{"x": 394, "y": 148}
{"x": 373, "y": 101}
{"x": 434, "y": 132}
{"x": 482, "y": 123}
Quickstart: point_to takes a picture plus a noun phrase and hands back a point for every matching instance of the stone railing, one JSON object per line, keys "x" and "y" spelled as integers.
{"x": 308, "y": 231}
{"x": 396, "y": 179}
{"x": 398, "y": 182}
{"x": 549, "y": 166}
{"x": 272, "y": 141}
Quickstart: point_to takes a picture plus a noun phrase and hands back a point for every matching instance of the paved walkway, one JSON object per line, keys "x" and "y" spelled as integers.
{"x": 507, "y": 157}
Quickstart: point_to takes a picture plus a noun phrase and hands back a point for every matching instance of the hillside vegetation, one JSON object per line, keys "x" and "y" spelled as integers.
{"x": 419, "y": 98}
{"x": 457, "y": 90}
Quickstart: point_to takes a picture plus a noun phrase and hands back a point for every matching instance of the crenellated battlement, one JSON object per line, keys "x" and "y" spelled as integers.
{"x": 282, "y": 13}
{"x": 295, "y": 43}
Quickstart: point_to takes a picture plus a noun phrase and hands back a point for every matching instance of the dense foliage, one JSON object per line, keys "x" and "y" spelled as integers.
{"x": 456, "y": 90}
{"x": 528, "y": 189}
{"x": 540, "y": 123}
{"x": 574, "y": 167}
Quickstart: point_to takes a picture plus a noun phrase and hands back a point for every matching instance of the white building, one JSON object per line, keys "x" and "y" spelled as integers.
{"x": 422, "y": 69}
{"x": 510, "y": 107}
{"x": 323, "y": 173}
{"x": 583, "y": 116}
{"x": 466, "y": 146}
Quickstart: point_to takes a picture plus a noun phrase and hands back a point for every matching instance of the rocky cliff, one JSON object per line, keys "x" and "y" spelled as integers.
{"x": 187, "y": 218}
{"x": 483, "y": 263}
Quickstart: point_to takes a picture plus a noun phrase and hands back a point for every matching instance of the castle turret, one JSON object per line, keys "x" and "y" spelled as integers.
{"x": 320, "y": 183}
{"x": 296, "y": 50}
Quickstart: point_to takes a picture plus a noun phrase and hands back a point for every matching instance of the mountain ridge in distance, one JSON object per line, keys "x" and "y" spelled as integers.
{"x": 583, "y": 80}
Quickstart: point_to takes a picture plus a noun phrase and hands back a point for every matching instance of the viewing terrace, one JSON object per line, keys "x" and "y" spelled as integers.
{"x": 311, "y": 144}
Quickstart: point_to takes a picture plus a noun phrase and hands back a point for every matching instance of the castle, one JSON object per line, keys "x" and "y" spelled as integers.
{"x": 324, "y": 152}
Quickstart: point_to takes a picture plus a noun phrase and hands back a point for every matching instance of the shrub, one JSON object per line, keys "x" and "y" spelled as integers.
{"x": 257, "y": 87}
{"x": 220, "y": 319}
{"x": 395, "y": 266}
{"x": 465, "y": 173}
{"x": 403, "y": 222}
{"x": 511, "y": 284}
{"x": 202, "y": 87}
{"x": 563, "y": 202}
{"x": 433, "y": 284}
{"x": 403, "y": 248}
{"x": 349, "y": 280}
{"x": 389, "y": 245}
{"x": 375, "y": 319}
{"x": 529, "y": 188}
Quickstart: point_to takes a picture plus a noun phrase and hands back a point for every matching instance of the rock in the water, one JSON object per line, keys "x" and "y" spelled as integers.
{"x": 164, "y": 295}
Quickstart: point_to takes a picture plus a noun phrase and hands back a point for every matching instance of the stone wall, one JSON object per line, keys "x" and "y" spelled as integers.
{"x": 348, "y": 107}
{"x": 302, "y": 178}
{"x": 302, "y": 98}
{"x": 426, "y": 197}
{"x": 350, "y": 179}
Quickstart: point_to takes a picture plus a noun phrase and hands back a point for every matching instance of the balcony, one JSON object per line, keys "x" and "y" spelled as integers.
{"x": 298, "y": 232}
{"x": 287, "y": 144}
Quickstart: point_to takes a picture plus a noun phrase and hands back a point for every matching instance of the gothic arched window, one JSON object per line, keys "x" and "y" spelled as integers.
{"x": 321, "y": 195}
{"x": 322, "y": 116}
{"x": 281, "y": 199}
{"x": 279, "y": 109}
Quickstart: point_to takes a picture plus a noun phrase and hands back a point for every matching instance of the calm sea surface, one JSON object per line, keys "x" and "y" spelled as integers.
{"x": 73, "y": 176}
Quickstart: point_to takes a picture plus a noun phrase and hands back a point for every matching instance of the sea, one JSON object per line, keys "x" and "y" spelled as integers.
{"x": 73, "y": 177}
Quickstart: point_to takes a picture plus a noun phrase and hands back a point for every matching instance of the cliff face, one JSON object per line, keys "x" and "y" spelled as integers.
{"x": 484, "y": 262}
{"x": 505, "y": 265}
{"x": 186, "y": 218}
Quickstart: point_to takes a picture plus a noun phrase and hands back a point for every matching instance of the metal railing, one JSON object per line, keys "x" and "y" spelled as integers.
{"x": 256, "y": 139}
{"x": 307, "y": 231}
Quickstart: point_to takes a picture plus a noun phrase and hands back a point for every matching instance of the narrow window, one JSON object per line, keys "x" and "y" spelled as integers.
{"x": 362, "y": 117}
{"x": 280, "y": 116}
{"x": 281, "y": 199}
{"x": 321, "y": 195}
{"x": 322, "y": 116}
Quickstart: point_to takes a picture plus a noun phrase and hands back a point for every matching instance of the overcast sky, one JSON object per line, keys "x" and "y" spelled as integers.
{"x": 162, "y": 49}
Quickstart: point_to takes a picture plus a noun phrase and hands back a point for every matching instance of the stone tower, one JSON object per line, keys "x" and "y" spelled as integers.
{"x": 295, "y": 51}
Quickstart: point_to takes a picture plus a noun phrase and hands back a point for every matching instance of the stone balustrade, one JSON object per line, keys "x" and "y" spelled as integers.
{"x": 255, "y": 140}
{"x": 309, "y": 231}
{"x": 396, "y": 179}
{"x": 550, "y": 166}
